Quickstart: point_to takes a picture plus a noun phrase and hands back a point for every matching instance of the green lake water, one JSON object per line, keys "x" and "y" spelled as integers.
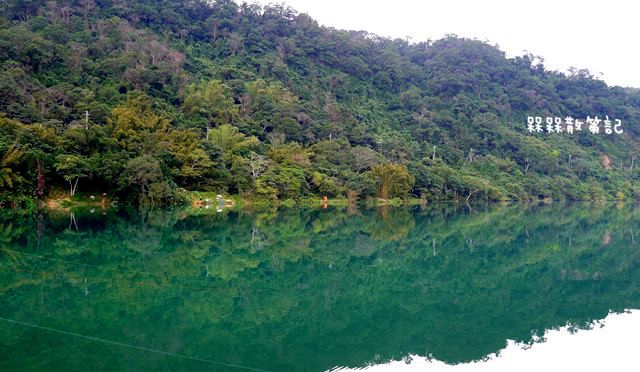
{"x": 307, "y": 289}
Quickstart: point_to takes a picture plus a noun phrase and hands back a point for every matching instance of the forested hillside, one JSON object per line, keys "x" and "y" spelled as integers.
{"x": 147, "y": 99}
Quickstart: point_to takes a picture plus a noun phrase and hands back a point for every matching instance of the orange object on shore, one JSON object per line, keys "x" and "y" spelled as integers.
{"x": 324, "y": 198}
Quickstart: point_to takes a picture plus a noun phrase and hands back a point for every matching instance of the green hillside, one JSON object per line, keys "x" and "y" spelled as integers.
{"x": 147, "y": 99}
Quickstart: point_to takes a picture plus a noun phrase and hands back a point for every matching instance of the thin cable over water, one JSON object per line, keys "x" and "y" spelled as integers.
{"x": 142, "y": 348}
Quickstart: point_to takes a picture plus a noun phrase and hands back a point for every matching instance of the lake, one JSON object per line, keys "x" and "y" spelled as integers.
{"x": 508, "y": 287}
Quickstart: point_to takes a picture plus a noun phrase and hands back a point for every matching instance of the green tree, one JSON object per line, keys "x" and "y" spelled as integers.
{"x": 228, "y": 138}
{"x": 137, "y": 125}
{"x": 392, "y": 180}
{"x": 72, "y": 168}
{"x": 145, "y": 173}
{"x": 12, "y": 157}
{"x": 212, "y": 102}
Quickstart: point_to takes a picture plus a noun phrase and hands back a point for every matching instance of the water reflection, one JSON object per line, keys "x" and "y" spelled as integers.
{"x": 610, "y": 344}
{"x": 306, "y": 290}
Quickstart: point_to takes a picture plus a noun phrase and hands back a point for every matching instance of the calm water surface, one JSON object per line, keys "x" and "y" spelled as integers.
{"x": 441, "y": 287}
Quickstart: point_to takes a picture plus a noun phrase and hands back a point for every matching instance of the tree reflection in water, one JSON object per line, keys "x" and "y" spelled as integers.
{"x": 306, "y": 290}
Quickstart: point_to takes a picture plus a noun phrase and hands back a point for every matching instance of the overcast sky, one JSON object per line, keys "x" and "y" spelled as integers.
{"x": 609, "y": 348}
{"x": 600, "y": 36}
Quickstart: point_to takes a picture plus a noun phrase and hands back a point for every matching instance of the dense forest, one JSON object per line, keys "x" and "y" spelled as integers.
{"x": 146, "y": 100}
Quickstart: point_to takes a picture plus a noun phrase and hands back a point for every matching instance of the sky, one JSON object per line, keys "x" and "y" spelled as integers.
{"x": 601, "y": 36}
{"x": 610, "y": 346}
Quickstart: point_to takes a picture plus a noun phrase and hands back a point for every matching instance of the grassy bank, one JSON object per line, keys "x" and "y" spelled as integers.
{"x": 202, "y": 199}
{"x": 61, "y": 200}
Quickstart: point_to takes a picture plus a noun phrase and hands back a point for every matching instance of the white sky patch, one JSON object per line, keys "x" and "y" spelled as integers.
{"x": 599, "y": 36}
{"x": 613, "y": 347}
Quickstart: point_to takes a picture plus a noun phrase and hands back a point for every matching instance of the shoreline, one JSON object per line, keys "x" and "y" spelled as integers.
{"x": 207, "y": 200}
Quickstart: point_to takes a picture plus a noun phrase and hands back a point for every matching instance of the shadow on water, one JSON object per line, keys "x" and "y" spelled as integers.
{"x": 303, "y": 289}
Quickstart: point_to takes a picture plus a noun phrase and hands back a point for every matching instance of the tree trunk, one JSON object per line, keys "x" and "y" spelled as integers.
{"x": 40, "y": 178}
{"x": 471, "y": 192}
{"x": 73, "y": 186}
